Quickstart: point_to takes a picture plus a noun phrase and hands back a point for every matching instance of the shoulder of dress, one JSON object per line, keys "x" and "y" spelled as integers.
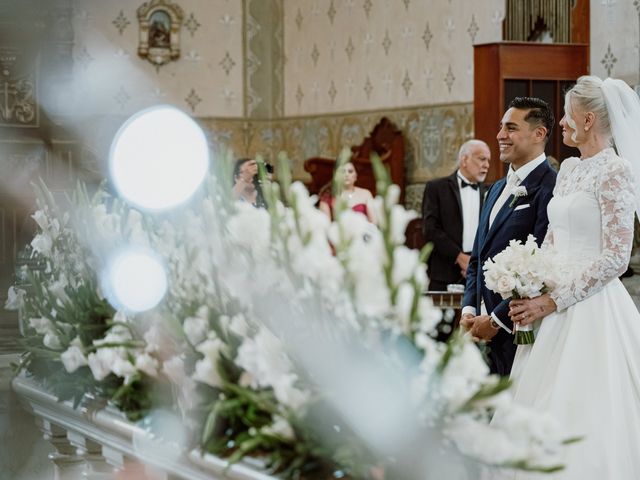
{"x": 569, "y": 164}
{"x": 612, "y": 162}
{"x": 365, "y": 192}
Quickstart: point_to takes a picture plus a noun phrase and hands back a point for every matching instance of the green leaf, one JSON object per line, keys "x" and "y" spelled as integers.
{"x": 209, "y": 425}
{"x": 425, "y": 252}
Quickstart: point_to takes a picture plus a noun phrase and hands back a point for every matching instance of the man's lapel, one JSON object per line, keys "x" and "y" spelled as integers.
{"x": 531, "y": 183}
{"x": 482, "y": 191}
{"x": 492, "y": 196}
{"x": 455, "y": 189}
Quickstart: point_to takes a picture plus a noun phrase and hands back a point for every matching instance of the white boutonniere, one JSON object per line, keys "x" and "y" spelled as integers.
{"x": 517, "y": 193}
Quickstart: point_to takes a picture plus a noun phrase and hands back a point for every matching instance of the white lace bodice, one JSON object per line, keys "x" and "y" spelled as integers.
{"x": 591, "y": 221}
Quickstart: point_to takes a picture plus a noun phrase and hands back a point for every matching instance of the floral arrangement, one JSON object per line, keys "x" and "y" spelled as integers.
{"x": 523, "y": 271}
{"x": 283, "y": 335}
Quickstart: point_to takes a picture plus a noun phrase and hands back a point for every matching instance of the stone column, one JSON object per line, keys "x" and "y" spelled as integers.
{"x": 95, "y": 465}
{"x": 68, "y": 465}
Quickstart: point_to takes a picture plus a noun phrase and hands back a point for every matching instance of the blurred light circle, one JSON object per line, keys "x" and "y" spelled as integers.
{"x": 158, "y": 158}
{"x": 160, "y": 436}
{"x": 136, "y": 280}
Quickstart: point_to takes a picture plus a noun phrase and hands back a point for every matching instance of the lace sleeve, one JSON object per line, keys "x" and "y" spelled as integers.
{"x": 616, "y": 198}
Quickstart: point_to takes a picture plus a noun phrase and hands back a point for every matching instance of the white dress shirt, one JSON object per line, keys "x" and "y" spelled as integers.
{"x": 514, "y": 178}
{"x": 470, "y": 199}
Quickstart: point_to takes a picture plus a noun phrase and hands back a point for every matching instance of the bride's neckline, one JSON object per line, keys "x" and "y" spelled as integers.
{"x": 597, "y": 155}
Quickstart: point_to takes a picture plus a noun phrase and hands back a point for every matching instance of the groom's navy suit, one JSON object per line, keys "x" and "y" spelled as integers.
{"x": 511, "y": 223}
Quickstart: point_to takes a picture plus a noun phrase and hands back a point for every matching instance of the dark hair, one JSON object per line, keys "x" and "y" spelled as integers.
{"x": 236, "y": 167}
{"x": 539, "y": 112}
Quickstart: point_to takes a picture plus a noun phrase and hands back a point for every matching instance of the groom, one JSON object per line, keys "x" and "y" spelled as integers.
{"x": 515, "y": 207}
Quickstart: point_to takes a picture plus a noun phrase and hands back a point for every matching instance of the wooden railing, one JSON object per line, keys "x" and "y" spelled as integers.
{"x": 445, "y": 300}
{"x": 96, "y": 442}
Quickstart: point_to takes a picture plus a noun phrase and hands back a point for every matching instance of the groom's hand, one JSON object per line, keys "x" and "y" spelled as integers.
{"x": 482, "y": 329}
{"x": 466, "y": 321}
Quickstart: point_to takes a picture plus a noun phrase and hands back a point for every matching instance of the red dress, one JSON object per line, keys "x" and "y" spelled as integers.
{"x": 358, "y": 207}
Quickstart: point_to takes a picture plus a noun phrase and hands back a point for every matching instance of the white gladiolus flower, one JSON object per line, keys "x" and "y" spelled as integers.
{"x": 238, "y": 325}
{"x": 123, "y": 368}
{"x": 52, "y": 341}
{"x": 117, "y": 334}
{"x": 250, "y": 229}
{"x": 195, "y": 329}
{"x": 158, "y": 340}
{"x": 42, "y": 243}
{"x": 147, "y": 364}
{"x": 41, "y": 325}
{"x": 287, "y": 394}
{"x": 404, "y": 302}
{"x": 120, "y": 317}
{"x": 211, "y": 347}
{"x": 400, "y": 218}
{"x": 73, "y": 357}
{"x": 41, "y": 219}
{"x": 100, "y": 363}
{"x": 268, "y": 365}
{"x": 428, "y": 314}
{"x": 137, "y": 233}
{"x": 58, "y": 288}
{"x": 463, "y": 375}
{"x": 54, "y": 228}
{"x": 206, "y": 372}
{"x": 15, "y": 298}
{"x": 393, "y": 194}
{"x": 292, "y": 271}
{"x": 405, "y": 262}
{"x": 279, "y": 428}
{"x": 174, "y": 369}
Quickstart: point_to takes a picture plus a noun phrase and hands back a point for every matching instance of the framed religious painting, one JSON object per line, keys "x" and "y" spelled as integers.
{"x": 160, "y": 22}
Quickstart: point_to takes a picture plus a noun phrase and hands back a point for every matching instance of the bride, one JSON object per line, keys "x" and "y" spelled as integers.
{"x": 584, "y": 367}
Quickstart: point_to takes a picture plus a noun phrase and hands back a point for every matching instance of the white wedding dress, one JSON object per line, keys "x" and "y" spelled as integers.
{"x": 584, "y": 367}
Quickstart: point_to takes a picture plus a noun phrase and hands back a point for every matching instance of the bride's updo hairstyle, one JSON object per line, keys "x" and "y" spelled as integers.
{"x": 587, "y": 94}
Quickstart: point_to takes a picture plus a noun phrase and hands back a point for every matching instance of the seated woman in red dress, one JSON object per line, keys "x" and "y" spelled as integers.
{"x": 358, "y": 199}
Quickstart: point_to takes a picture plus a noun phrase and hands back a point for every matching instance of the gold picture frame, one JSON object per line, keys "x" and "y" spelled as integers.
{"x": 160, "y": 22}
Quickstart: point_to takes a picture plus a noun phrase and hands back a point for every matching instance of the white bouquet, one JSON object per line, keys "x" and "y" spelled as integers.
{"x": 522, "y": 271}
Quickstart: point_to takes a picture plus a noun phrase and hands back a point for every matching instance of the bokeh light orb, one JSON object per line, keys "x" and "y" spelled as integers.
{"x": 136, "y": 280}
{"x": 160, "y": 436}
{"x": 158, "y": 158}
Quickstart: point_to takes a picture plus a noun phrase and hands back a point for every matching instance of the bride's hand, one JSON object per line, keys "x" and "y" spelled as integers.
{"x": 526, "y": 311}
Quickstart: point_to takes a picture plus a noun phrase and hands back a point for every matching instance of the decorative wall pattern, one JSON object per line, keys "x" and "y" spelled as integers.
{"x": 206, "y": 80}
{"x": 353, "y": 55}
{"x": 264, "y": 95}
{"x": 357, "y": 66}
{"x": 615, "y": 39}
